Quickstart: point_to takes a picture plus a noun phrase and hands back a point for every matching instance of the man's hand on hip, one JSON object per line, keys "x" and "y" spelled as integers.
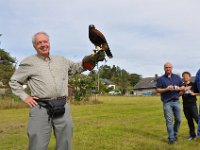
{"x": 30, "y": 101}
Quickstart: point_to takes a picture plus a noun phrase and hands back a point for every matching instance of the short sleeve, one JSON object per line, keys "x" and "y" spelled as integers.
{"x": 194, "y": 88}
{"x": 159, "y": 83}
{"x": 180, "y": 81}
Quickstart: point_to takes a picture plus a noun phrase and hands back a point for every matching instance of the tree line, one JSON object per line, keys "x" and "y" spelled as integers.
{"x": 7, "y": 66}
{"x": 123, "y": 79}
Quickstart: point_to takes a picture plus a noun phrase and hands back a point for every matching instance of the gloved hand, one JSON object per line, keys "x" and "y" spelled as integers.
{"x": 89, "y": 62}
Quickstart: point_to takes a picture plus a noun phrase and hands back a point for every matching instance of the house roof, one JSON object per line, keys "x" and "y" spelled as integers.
{"x": 149, "y": 83}
{"x": 145, "y": 83}
{"x": 108, "y": 82}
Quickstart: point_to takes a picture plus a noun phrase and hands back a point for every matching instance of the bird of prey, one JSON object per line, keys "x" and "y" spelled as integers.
{"x": 99, "y": 40}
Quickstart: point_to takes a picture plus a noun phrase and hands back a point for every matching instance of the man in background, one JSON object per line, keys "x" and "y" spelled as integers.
{"x": 189, "y": 103}
{"x": 169, "y": 85}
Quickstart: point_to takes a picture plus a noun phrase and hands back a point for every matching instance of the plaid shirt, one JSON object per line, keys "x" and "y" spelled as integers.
{"x": 46, "y": 79}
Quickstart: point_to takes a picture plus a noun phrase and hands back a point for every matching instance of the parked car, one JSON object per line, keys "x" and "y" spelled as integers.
{"x": 114, "y": 92}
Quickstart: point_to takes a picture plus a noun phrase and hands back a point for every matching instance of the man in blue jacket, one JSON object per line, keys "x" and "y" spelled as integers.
{"x": 169, "y": 85}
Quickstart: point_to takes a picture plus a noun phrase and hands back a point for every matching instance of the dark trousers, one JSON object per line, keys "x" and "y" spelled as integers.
{"x": 191, "y": 113}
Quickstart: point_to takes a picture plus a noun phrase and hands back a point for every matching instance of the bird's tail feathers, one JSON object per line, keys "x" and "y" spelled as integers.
{"x": 108, "y": 53}
{"x": 106, "y": 48}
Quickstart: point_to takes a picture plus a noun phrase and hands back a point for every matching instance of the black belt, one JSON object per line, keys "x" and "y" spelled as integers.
{"x": 53, "y": 98}
{"x": 172, "y": 100}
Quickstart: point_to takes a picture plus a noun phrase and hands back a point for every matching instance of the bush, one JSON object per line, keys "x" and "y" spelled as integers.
{"x": 82, "y": 85}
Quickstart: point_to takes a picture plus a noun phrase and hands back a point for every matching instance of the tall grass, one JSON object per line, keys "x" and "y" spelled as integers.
{"x": 118, "y": 123}
{"x": 11, "y": 103}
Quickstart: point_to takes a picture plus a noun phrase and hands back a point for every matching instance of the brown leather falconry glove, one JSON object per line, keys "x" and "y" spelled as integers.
{"x": 89, "y": 62}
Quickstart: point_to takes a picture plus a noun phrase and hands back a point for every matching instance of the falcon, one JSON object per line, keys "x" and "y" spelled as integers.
{"x": 99, "y": 40}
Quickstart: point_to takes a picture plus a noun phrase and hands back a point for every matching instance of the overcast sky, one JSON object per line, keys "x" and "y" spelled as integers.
{"x": 142, "y": 34}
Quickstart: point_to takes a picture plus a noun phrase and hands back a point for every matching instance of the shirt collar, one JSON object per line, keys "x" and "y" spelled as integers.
{"x": 41, "y": 57}
{"x": 168, "y": 76}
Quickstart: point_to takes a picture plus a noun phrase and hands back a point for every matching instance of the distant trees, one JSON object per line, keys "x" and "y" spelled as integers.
{"x": 85, "y": 85}
{"x": 134, "y": 78}
{"x": 124, "y": 80}
{"x": 6, "y": 66}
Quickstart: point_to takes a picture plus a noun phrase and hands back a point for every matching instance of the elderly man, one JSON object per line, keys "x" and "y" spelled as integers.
{"x": 169, "y": 85}
{"x": 47, "y": 78}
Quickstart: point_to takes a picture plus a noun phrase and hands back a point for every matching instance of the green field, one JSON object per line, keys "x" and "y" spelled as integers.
{"x": 118, "y": 123}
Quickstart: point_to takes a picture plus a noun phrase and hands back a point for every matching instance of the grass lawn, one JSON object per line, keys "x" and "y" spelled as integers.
{"x": 119, "y": 123}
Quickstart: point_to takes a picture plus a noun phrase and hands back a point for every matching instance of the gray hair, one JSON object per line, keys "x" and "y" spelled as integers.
{"x": 34, "y": 36}
{"x": 168, "y": 63}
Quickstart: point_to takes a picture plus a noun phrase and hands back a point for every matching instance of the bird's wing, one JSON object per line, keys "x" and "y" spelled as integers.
{"x": 100, "y": 36}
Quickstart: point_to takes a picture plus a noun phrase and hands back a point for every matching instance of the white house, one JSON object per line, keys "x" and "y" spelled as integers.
{"x": 108, "y": 83}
